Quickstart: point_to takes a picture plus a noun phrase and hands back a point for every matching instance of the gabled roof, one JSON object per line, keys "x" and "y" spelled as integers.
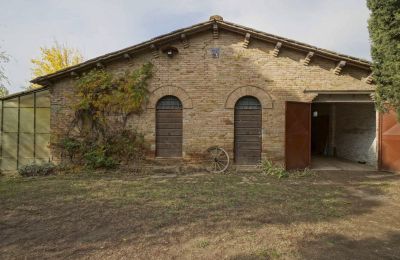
{"x": 208, "y": 25}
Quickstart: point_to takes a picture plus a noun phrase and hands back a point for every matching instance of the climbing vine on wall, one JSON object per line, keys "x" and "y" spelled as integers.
{"x": 100, "y": 95}
{"x": 99, "y": 136}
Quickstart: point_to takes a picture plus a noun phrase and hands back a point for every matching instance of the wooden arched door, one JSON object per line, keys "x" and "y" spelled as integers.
{"x": 169, "y": 127}
{"x": 247, "y": 125}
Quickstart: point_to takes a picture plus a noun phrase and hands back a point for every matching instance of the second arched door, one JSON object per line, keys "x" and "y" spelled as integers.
{"x": 248, "y": 131}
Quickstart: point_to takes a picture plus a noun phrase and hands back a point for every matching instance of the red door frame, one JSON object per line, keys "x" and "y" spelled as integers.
{"x": 380, "y": 144}
{"x": 379, "y": 134}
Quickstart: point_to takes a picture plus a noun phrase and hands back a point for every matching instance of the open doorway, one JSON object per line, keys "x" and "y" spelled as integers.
{"x": 343, "y": 136}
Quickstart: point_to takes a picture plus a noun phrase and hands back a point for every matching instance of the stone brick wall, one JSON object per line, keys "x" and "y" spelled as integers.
{"x": 210, "y": 86}
{"x": 356, "y": 132}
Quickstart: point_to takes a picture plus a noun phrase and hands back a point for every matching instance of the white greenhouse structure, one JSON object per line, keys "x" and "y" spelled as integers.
{"x": 25, "y": 129}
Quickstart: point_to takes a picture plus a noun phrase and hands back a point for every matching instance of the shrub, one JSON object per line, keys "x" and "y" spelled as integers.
{"x": 37, "y": 170}
{"x": 72, "y": 146}
{"x": 126, "y": 146}
{"x": 117, "y": 147}
{"x": 96, "y": 157}
{"x": 269, "y": 168}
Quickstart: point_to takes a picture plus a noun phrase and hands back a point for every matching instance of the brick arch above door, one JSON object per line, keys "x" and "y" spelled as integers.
{"x": 262, "y": 95}
{"x": 169, "y": 91}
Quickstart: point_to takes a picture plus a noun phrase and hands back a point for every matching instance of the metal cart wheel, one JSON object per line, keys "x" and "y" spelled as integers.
{"x": 217, "y": 160}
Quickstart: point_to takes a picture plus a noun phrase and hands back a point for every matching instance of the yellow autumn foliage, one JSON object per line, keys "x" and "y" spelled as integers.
{"x": 54, "y": 58}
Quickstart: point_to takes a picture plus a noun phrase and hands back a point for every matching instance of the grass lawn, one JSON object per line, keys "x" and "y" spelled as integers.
{"x": 332, "y": 215}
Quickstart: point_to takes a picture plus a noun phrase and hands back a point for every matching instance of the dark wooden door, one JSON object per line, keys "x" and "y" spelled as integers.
{"x": 298, "y": 135}
{"x": 169, "y": 127}
{"x": 248, "y": 120}
{"x": 389, "y": 133}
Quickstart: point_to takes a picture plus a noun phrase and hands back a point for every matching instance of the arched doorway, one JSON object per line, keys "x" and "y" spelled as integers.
{"x": 248, "y": 120}
{"x": 169, "y": 127}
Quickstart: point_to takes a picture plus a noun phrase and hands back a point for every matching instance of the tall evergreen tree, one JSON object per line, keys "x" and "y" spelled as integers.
{"x": 384, "y": 29}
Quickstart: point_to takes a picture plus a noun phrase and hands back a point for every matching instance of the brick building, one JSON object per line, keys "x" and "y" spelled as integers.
{"x": 255, "y": 94}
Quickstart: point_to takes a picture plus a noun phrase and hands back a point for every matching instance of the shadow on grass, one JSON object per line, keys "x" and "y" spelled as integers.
{"x": 334, "y": 246}
{"x": 69, "y": 216}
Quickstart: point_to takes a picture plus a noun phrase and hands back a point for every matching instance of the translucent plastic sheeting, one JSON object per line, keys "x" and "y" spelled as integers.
{"x": 25, "y": 125}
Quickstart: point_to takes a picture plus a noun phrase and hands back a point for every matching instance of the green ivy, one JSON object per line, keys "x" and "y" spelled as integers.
{"x": 100, "y": 94}
{"x": 102, "y": 142}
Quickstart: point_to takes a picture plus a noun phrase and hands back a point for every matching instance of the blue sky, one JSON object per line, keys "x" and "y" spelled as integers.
{"x": 98, "y": 27}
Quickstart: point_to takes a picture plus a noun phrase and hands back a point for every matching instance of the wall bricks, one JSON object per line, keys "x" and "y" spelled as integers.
{"x": 209, "y": 87}
{"x": 356, "y": 132}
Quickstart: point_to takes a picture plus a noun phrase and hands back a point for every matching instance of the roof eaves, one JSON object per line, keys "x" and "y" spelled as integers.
{"x": 296, "y": 45}
{"x": 340, "y": 91}
{"x": 135, "y": 48}
{"x": 22, "y": 93}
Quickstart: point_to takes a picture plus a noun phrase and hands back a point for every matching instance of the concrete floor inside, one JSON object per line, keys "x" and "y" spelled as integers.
{"x": 337, "y": 164}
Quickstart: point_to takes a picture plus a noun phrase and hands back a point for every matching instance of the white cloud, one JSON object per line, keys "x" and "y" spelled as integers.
{"x": 98, "y": 27}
